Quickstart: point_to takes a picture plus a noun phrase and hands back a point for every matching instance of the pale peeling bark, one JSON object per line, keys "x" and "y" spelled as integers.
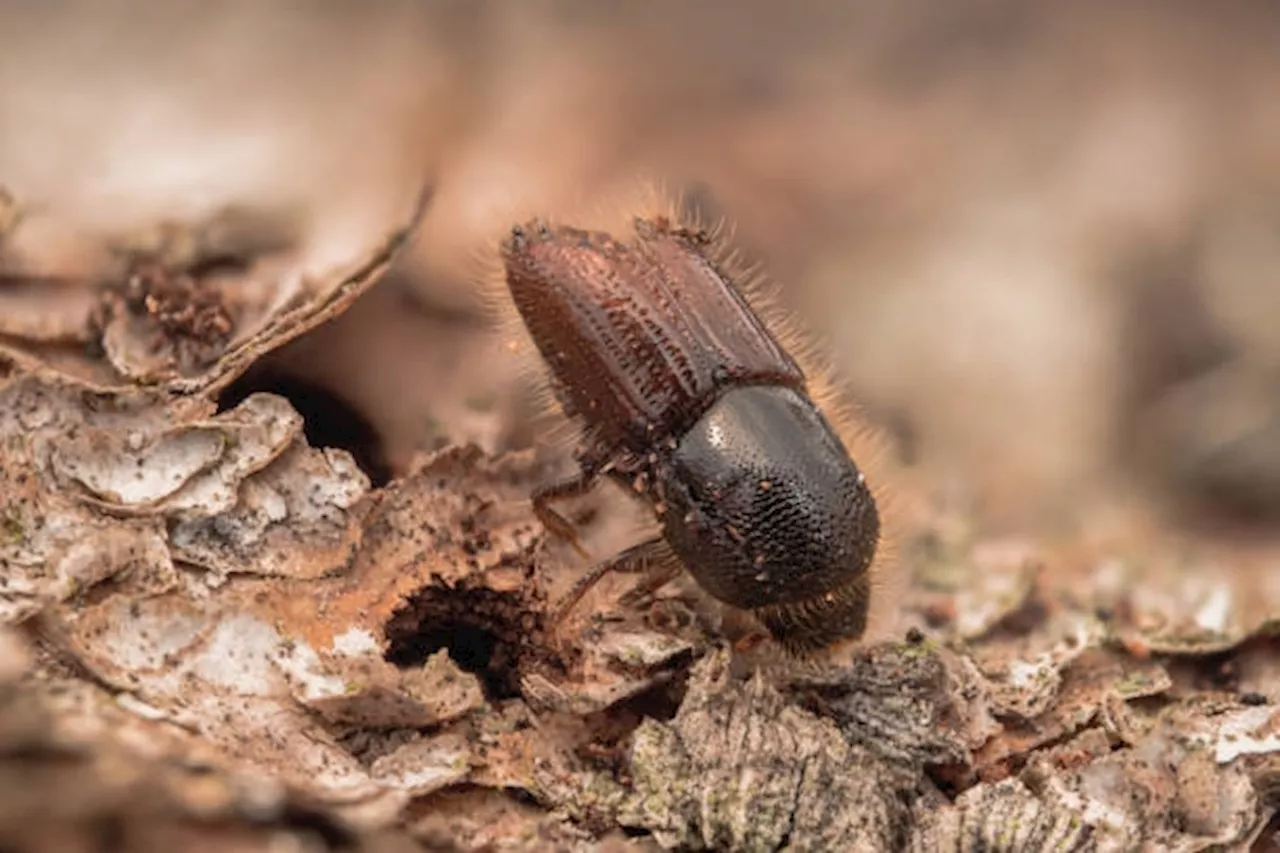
{"x": 258, "y": 601}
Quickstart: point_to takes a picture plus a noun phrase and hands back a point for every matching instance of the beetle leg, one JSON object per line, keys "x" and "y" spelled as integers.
{"x": 554, "y": 522}
{"x": 659, "y": 567}
{"x": 639, "y": 557}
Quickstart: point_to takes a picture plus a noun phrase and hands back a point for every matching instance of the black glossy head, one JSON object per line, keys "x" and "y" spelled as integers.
{"x": 766, "y": 508}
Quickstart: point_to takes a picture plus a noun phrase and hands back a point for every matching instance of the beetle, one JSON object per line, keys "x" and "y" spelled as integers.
{"x": 687, "y": 399}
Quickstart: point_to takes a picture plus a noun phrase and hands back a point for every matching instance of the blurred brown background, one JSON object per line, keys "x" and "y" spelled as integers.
{"x": 1041, "y": 239}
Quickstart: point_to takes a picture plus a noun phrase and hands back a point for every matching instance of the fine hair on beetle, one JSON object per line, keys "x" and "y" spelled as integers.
{"x": 690, "y": 387}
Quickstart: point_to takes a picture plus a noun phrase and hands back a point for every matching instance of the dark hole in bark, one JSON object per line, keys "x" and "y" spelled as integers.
{"x": 328, "y": 420}
{"x": 483, "y": 631}
{"x": 322, "y": 828}
{"x": 471, "y": 648}
{"x": 663, "y": 700}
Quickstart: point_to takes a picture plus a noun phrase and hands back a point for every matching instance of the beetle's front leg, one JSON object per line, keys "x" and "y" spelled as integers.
{"x": 554, "y": 522}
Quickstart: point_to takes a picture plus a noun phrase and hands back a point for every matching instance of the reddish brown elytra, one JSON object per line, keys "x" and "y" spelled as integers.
{"x": 688, "y": 400}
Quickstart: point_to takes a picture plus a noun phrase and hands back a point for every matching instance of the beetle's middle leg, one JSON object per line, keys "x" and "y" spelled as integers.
{"x": 652, "y": 557}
